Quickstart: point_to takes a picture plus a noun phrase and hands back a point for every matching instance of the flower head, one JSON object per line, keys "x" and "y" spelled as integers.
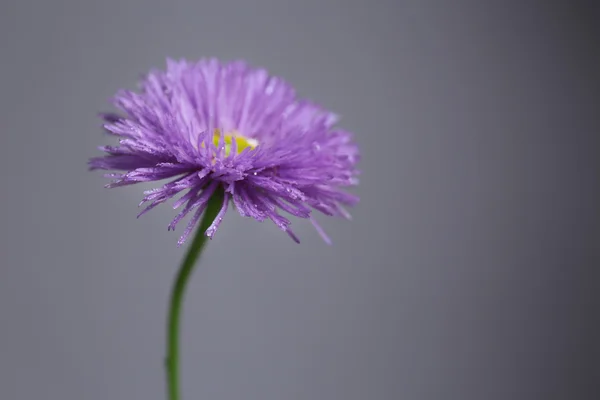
{"x": 209, "y": 126}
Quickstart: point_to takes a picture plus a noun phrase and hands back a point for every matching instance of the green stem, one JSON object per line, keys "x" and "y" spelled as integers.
{"x": 185, "y": 271}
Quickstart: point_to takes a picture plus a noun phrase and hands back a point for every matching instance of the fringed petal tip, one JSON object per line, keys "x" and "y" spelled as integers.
{"x": 109, "y": 117}
{"x": 321, "y": 232}
{"x": 212, "y": 229}
{"x": 292, "y": 235}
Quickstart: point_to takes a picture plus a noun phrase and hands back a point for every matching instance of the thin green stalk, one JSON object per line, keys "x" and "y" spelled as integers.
{"x": 185, "y": 271}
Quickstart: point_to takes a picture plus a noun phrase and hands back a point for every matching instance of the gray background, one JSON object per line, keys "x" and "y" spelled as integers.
{"x": 468, "y": 272}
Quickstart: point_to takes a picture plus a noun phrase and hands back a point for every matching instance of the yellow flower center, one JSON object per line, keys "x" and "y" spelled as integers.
{"x": 241, "y": 142}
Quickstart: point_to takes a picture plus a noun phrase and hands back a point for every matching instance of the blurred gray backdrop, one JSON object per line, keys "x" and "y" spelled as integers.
{"x": 467, "y": 273}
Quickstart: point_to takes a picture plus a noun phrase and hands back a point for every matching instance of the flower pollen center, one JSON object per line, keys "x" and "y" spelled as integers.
{"x": 241, "y": 141}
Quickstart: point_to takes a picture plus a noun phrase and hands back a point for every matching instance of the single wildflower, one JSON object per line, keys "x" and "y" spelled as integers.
{"x": 212, "y": 127}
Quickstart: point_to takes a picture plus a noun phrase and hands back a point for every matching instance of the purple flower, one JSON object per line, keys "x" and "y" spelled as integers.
{"x": 212, "y": 126}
